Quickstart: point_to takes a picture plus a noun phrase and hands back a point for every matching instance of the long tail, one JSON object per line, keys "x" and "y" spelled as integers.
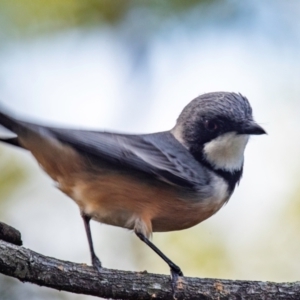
{"x": 12, "y": 124}
{"x": 57, "y": 159}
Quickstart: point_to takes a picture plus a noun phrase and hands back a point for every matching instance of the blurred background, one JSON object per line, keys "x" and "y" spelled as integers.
{"x": 131, "y": 66}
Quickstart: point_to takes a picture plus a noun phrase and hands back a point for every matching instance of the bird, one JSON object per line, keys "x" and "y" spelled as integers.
{"x": 157, "y": 182}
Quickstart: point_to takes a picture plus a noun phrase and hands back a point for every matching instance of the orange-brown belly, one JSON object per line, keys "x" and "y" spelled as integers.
{"x": 131, "y": 203}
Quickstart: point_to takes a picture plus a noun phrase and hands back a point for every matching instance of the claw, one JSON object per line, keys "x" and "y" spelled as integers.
{"x": 175, "y": 280}
{"x": 97, "y": 264}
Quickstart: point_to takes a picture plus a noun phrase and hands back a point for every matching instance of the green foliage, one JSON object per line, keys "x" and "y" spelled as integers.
{"x": 40, "y": 16}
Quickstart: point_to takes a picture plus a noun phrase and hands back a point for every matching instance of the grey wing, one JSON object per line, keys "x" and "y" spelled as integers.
{"x": 159, "y": 154}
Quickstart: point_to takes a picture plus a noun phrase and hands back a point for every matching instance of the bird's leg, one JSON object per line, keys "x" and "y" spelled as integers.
{"x": 175, "y": 270}
{"x": 95, "y": 260}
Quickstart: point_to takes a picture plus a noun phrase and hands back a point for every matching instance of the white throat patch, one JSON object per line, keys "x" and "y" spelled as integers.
{"x": 226, "y": 151}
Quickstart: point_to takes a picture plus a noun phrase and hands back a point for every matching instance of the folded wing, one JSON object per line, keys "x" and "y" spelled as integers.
{"x": 159, "y": 154}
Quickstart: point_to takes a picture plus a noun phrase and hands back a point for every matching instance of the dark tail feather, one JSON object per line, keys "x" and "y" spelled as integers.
{"x": 22, "y": 129}
{"x": 10, "y": 123}
{"x": 11, "y": 141}
{"x": 13, "y": 125}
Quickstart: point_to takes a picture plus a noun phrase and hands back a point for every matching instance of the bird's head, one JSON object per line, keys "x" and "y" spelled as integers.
{"x": 215, "y": 128}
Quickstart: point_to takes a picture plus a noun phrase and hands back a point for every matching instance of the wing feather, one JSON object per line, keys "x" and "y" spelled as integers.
{"x": 159, "y": 154}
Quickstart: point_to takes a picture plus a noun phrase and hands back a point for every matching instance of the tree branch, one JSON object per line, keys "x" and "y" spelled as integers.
{"x": 10, "y": 234}
{"x": 29, "y": 266}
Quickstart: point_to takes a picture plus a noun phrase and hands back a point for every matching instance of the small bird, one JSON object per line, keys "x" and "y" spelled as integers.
{"x": 147, "y": 183}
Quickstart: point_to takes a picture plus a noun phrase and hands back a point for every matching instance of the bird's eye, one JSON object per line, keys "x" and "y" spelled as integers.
{"x": 210, "y": 125}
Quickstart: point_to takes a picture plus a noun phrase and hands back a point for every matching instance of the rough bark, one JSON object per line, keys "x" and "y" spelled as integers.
{"x": 29, "y": 266}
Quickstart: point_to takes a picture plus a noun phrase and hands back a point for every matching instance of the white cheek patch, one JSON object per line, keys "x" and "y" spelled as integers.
{"x": 226, "y": 151}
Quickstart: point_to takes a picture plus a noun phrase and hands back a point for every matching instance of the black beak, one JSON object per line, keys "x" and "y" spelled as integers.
{"x": 251, "y": 128}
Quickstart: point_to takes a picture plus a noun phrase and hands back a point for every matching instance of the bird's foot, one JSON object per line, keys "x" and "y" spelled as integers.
{"x": 176, "y": 281}
{"x": 97, "y": 263}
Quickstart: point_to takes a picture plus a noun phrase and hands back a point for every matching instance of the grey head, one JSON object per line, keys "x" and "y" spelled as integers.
{"x": 215, "y": 128}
